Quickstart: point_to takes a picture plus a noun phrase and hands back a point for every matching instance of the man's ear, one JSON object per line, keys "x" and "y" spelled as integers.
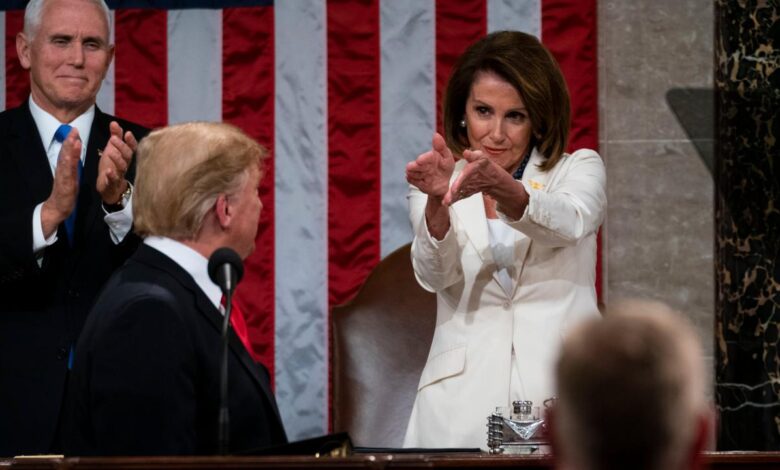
{"x": 23, "y": 50}
{"x": 111, "y": 51}
{"x": 222, "y": 211}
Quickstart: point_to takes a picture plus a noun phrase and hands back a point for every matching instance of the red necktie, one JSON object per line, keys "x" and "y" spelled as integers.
{"x": 238, "y": 323}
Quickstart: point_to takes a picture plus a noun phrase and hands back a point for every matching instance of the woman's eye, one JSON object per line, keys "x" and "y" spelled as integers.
{"x": 517, "y": 116}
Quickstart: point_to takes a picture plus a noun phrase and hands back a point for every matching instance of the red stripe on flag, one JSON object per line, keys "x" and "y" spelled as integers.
{"x": 17, "y": 85}
{"x": 248, "y": 102}
{"x": 569, "y": 31}
{"x": 354, "y": 145}
{"x": 354, "y": 161}
{"x": 140, "y": 66}
{"x": 458, "y": 25}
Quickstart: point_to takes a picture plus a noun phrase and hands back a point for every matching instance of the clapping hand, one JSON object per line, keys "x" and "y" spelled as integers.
{"x": 430, "y": 172}
{"x": 65, "y": 187}
{"x": 480, "y": 175}
{"x": 115, "y": 159}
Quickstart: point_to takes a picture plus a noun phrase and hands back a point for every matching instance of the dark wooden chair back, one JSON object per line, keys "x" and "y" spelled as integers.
{"x": 380, "y": 343}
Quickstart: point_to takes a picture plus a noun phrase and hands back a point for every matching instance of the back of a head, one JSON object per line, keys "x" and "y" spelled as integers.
{"x": 181, "y": 171}
{"x": 630, "y": 390}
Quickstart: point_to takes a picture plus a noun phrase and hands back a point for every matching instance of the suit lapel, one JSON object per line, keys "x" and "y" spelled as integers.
{"x": 236, "y": 347}
{"x": 90, "y": 208}
{"x": 30, "y": 155}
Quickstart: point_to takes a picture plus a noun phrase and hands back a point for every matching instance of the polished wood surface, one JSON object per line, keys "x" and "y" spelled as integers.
{"x": 715, "y": 460}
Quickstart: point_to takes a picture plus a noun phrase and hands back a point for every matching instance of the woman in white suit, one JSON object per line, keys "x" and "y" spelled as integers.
{"x": 505, "y": 228}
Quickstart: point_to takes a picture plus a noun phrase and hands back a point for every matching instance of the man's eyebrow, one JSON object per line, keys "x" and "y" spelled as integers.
{"x": 61, "y": 36}
{"x": 69, "y": 37}
{"x": 96, "y": 39}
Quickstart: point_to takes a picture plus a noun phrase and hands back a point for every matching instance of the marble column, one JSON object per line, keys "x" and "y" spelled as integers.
{"x": 747, "y": 223}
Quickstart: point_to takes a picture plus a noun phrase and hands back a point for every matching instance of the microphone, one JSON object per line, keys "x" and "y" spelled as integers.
{"x": 225, "y": 270}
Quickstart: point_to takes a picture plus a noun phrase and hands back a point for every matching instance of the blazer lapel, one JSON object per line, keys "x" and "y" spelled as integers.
{"x": 471, "y": 216}
{"x": 540, "y": 181}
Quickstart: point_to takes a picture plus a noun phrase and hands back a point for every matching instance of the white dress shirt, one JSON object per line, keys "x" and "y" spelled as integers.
{"x": 191, "y": 261}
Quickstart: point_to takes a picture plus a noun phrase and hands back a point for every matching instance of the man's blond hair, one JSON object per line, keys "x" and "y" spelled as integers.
{"x": 182, "y": 169}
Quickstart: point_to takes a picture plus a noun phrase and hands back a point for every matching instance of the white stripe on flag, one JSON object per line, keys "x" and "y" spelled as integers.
{"x": 408, "y": 85}
{"x": 2, "y": 61}
{"x": 301, "y": 180}
{"x": 194, "y": 65}
{"x": 520, "y": 15}
{"x": 105, "y": 97}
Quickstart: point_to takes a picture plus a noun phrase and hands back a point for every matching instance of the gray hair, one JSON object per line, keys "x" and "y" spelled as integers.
{"x": 33, "y": 15}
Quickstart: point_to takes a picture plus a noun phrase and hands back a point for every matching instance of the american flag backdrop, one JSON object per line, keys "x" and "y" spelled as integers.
{"x": 343, "y": 93}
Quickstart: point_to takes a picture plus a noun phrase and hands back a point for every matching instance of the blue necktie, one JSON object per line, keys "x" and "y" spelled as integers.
{"x": 70, "y": 223}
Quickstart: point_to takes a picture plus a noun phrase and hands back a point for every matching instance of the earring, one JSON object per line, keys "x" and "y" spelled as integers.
{"x": 463, "y": 123}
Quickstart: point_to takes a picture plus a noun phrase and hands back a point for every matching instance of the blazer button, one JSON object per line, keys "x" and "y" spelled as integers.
{"x": 62, "y": 353}
{"x": 507, "y": 305}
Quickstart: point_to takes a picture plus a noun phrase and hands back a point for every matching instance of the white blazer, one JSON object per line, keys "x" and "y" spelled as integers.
{"x": 478, "y": 323}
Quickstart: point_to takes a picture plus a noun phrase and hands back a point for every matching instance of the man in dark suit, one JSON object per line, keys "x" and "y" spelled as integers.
{"x": 64, "y": 211}
{"x": 146, "y": 374}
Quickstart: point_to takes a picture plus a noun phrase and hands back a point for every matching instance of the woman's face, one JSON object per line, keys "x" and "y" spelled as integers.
{"x": 496, "y": 120}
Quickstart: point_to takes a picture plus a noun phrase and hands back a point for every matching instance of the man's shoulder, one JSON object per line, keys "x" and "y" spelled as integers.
{"x": 9, "y": 116}
{"x": 138, "y": 283}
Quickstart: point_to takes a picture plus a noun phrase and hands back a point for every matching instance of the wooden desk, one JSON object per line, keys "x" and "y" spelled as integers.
{"x": 716, "y": 461}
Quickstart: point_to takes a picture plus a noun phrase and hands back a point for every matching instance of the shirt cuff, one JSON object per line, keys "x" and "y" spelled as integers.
{"x": 39, "y": 241}
{"x": 120, "y": 222}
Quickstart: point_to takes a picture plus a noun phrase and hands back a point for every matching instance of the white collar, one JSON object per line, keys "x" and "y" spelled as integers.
{"x": 47, "y": 125}
{"x": 191, "y": 261}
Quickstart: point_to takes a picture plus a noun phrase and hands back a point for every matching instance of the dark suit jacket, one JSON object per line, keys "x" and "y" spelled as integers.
{"x": 42, "y": 309}
{"x": 146, "y": 375}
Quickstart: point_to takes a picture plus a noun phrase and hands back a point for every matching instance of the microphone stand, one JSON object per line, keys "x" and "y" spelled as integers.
{"x": 224, "y": 413}
{"x": 225, "y": 270}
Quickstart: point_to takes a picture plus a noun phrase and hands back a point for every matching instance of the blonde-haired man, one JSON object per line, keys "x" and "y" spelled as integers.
{"x": 145, "y": 378}
{"x": 631, "y": 392}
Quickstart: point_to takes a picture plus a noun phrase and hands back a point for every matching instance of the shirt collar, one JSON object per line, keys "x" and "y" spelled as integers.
{"x": 47, "y": 124}
{"x": 191, "y": 261}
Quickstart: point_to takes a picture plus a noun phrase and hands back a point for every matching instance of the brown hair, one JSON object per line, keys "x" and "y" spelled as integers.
{"x": 182, "y": 169}
{"x": 522, "y": 61}
{"x": 630, "y": 389}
